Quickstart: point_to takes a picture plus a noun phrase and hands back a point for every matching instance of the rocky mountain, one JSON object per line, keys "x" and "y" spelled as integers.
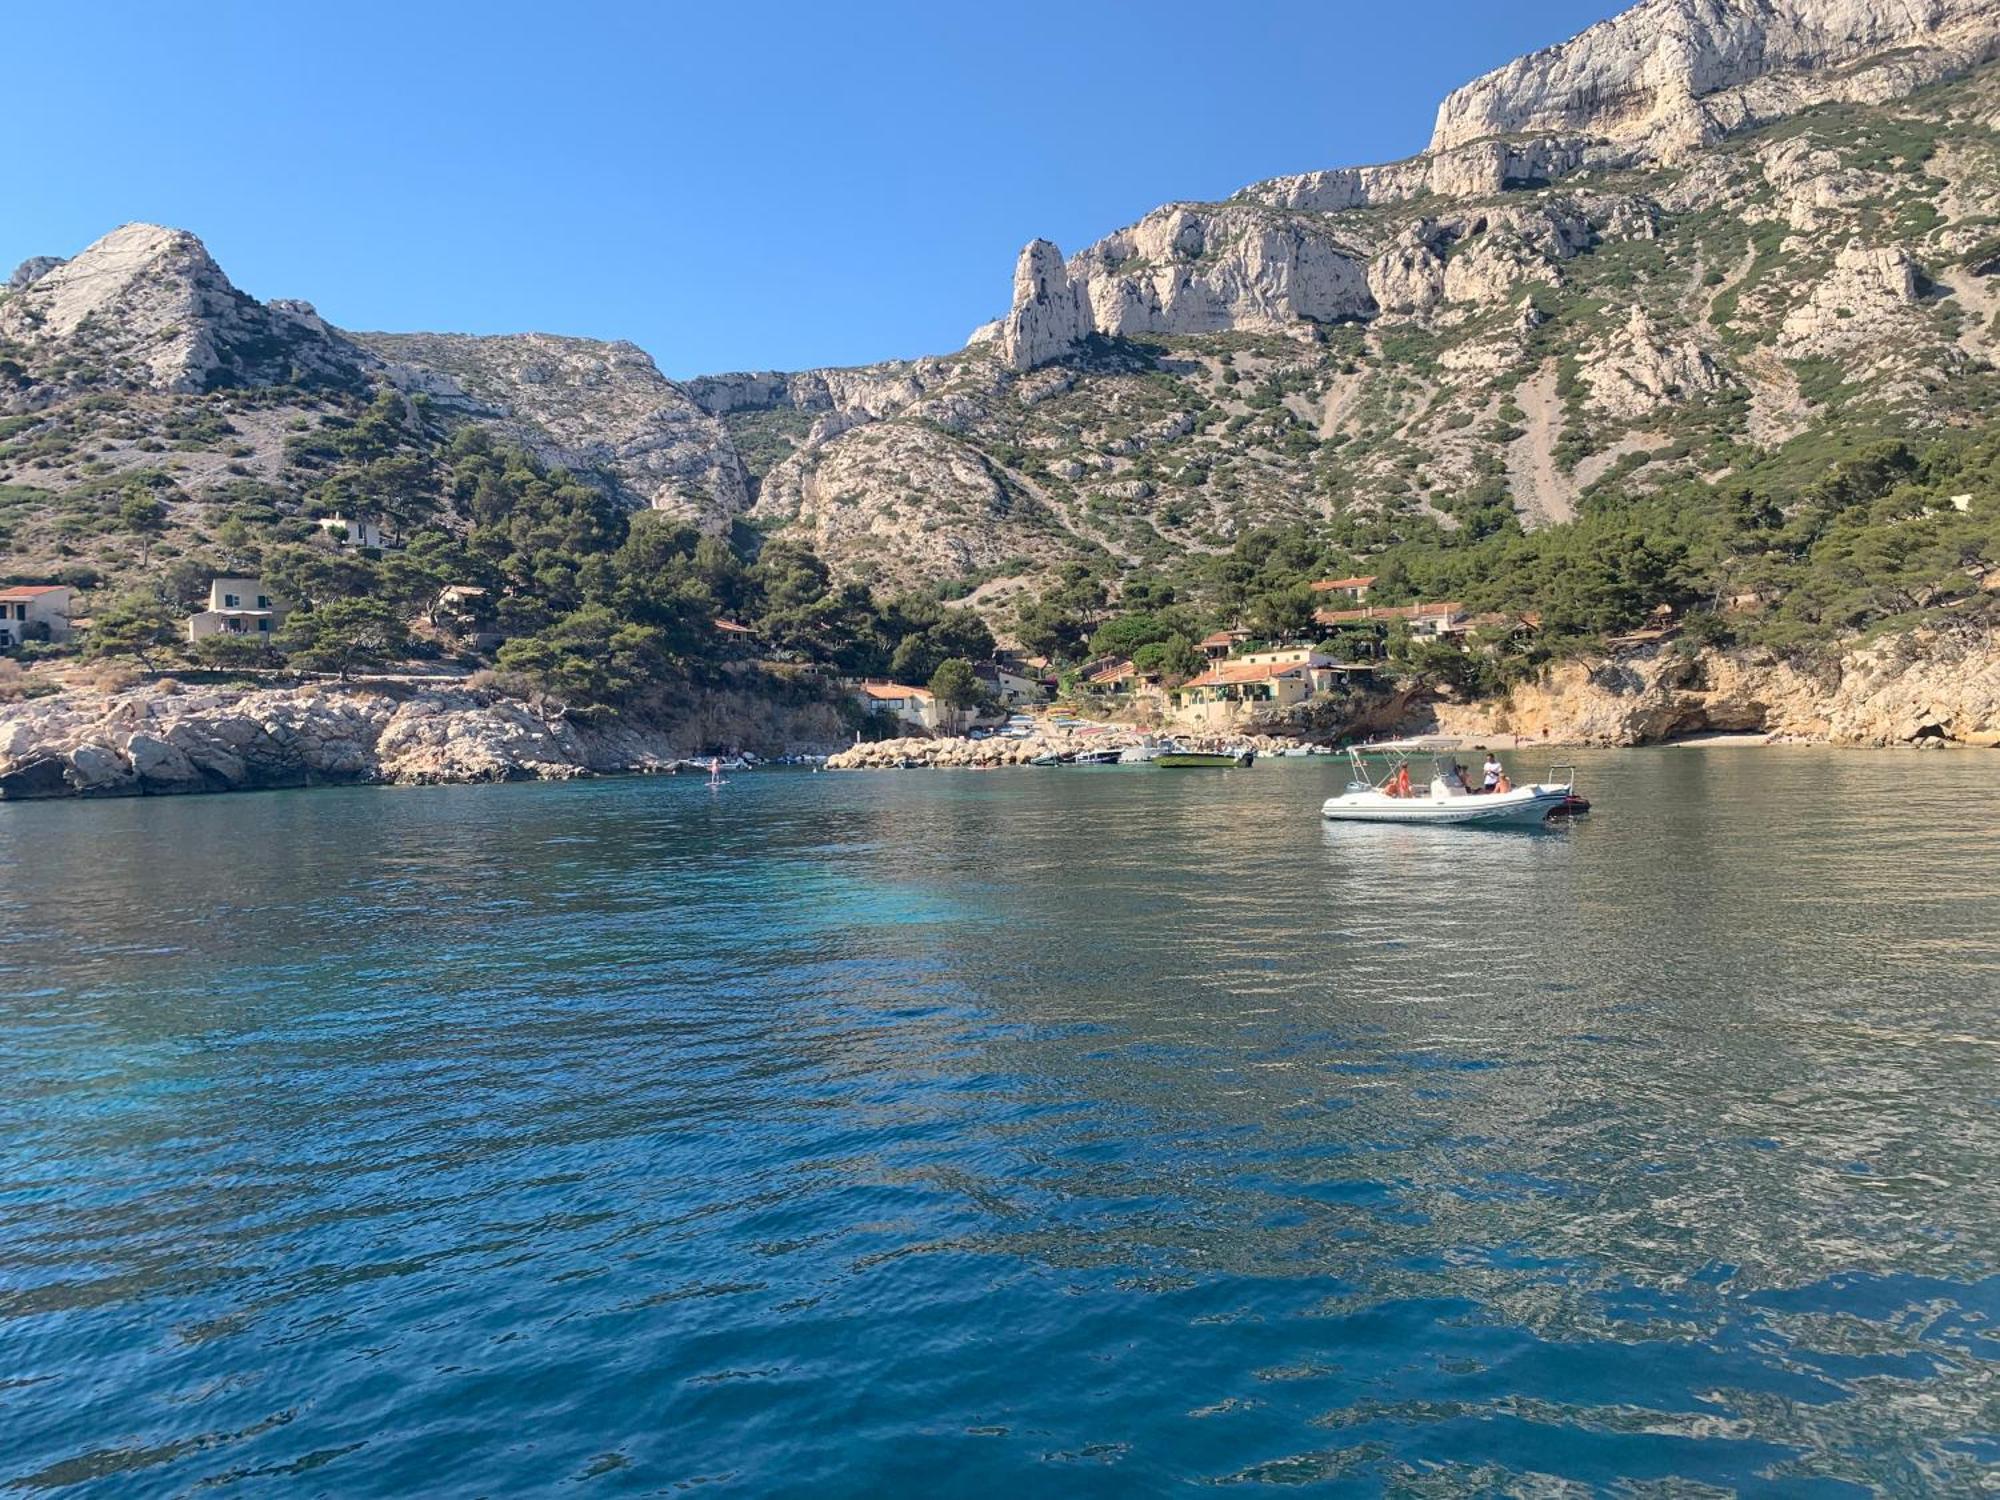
{"x": 140, "y": 346}
{"x": 1698, "y": 237}
{"x": 1700, "y": 233}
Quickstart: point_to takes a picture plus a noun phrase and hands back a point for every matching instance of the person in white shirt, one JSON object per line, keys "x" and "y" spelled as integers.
{"x": 1493, "y": 771}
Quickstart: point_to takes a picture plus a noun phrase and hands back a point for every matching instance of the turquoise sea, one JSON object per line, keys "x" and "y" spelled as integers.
{"x": 1073, "y": 1132}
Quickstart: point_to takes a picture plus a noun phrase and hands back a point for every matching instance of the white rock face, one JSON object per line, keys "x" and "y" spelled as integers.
{"x": 1855, "y": 305}
{"x": 1198, "y": 270}
{"x": 583, "y": 404}
{"x": 1642, "y": 370}
{"x": 151, "y": 303}
{"x": 1679, "y": 73}
{"x": 1050, "y": 312}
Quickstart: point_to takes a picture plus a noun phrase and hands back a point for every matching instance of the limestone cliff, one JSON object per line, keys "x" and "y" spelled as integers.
{"x": 1645, "y": 87}
{"x": 1676, "y": 74}
{"x": 1934, "y": 684}
{"x": 164, "y": 738}
{"x": 150, "y": 304}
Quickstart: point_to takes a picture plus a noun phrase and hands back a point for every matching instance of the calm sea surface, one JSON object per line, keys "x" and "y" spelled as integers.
{"x": 1066, "y": 1133}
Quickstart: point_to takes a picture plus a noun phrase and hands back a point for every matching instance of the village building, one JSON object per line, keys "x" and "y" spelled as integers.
{"x": 1217, "y": 647}
{"x": 1258, "y": 683}
{"x": 1426, "y": 621}
{"x": 1011, "y": 682}
{"x": 1347, "y": 588}
{"x": 349, "y": 531}
{"x": 238, "y": 606}
{"x": 915, "y": 706}
{"x": 34, "y": 612}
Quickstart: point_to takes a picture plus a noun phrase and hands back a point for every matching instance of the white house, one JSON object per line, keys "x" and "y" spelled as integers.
{"x": 1010, "y": 683}
{"x": 238, "y": 606}
{"x": 350, "y": 532}
{"x": 915, "y": 706}
{"x": 34, "y": 612}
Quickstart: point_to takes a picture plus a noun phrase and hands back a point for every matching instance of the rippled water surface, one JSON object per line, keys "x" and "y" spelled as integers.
{"x": 1080, "y": 1132}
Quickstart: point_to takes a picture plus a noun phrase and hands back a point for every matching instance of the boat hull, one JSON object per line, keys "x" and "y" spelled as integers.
{"x": 1192, "y": 760}
{"x": 1526, "y": 806}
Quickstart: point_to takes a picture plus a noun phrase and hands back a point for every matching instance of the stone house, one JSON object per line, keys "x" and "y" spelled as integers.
{"x": 34, "y": 612}
{"x": 238, "y": 606}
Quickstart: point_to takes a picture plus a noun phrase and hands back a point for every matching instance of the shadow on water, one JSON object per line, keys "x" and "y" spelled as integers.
{"x": 1092, "y": 1131}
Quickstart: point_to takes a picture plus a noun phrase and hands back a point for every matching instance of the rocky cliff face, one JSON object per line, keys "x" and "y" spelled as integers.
{"x": 146, "y": 311}
{"x": 166, "y": 739}
{"x": 1646, "y": 87}
{"x": 589, "y": 406}
{"x": 1675, "y": 74}
{"x": 1931, "y": 685}
{"x": 149, "y": 305}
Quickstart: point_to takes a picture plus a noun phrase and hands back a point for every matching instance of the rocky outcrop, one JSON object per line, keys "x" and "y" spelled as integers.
{"x": 1050, "y": 311}
{"x": 1640, "y": 370}
{"x": 31, "y": 269}
{"x": 1941, "y": 685}
{"x": 165, "y": 739}
{"x": 1643, "y": 88}
{"x": 148, "y": 306}
{"x": 587, "y": 405}
{"x": 1678, "y": 73}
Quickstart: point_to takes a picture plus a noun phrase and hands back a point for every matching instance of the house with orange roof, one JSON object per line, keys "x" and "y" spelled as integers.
{"x": 915, "y": 706}
{"x": 34, "y": 612}
{"x": 1349, "y": 588}
{"x": 1257, "y": 683}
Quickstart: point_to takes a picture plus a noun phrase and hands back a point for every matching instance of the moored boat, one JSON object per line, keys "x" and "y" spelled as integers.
{"x": 1177, "y": 759}
{"x": 1446, "y": 800}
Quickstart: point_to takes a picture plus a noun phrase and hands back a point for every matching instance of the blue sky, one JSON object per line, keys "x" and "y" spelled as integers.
{"x": 745, "y": 186}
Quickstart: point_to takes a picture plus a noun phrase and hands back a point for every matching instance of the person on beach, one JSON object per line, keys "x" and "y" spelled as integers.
{"x": 1492, "y": 773}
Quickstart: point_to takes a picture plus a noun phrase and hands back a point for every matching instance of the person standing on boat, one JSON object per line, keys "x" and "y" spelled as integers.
{"x": 1492, "y": 773}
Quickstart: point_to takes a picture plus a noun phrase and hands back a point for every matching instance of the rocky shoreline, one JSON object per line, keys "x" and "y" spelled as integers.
{"x": 911, "y": 754}
{"x": 1933, "y": 686}
{"x": 164, "y": 738}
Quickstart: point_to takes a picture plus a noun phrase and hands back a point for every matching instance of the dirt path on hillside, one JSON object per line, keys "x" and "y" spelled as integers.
{"x": 1978, "y": 298}
{"x": 1542, "y": 493}
{"x": 1778, "y": 409}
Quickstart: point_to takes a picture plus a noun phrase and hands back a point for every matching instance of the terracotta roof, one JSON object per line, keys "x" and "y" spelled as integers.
{"x": 1327, "y": 585}
{"x": 1230, "y": 673}
{"x": 1220, "y": 638}
{"x": 33, "y": 590}
{"x": 889, "y": 690}
{"x": 1112, "y": 673}
{"x": 1388, "y": 612}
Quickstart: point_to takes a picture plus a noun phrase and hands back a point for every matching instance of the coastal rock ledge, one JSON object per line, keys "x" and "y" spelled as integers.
{"x": 165, "y": 738}
{"x": 1922, "y": 687}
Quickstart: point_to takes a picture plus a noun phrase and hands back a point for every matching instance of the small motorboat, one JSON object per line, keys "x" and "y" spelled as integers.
{"x": 1176, "y": 759}
{"x": 1047, "y": 758}
{"x": 1446, "y": 799}
{"x": 1097, "y": 757}
{"x": 1139, "y": 755}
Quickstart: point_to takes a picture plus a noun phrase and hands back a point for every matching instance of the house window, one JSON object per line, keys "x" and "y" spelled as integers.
{"x": 229, "y": 601}
{"x": 265, "y": 626}
{"x": 262, "y": 602}
{"x": 20, "y": 611}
